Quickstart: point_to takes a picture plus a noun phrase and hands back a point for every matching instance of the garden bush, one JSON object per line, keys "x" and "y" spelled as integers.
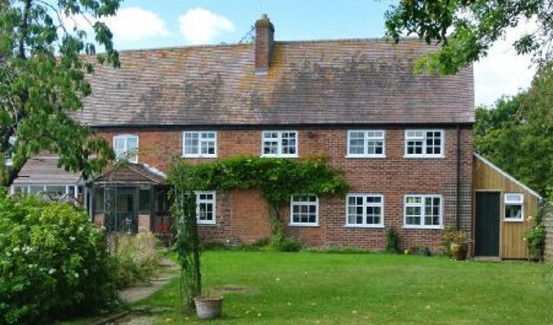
{"x": 137, "y": 258}
{"x": 53, "y": 262}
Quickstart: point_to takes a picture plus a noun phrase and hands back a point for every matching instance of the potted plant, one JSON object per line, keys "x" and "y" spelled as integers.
{"x": 208, "y": 306}
{"x": 456, "y": 242}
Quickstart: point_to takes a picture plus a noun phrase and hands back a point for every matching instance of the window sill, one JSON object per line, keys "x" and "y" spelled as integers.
{"x": 513, "y": 220}
{"x": 423, "y": 227}
{"x": 199, "y": 156}
{"x": 301, "y": 225}
{"x": 207, "y": 223}
{"x": 278, "y": 156}
{"x": 423, "y": 157}
{"x": 365, "y": 226}
{"x": 366, "y": 156}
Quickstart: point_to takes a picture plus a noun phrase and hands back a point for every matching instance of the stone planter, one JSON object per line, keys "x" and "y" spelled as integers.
{"x": 208, "y": 308}
{"x": 459, "y": 251}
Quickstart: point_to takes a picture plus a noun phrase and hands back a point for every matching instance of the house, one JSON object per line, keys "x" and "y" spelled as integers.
{"x": 403, "y": 140}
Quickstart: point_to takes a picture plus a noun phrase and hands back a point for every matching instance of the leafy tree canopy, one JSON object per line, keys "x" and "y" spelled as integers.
{"x": 468, "y": 28}
{"x": 517, "y": 133}
{"x": 42, "y": 79}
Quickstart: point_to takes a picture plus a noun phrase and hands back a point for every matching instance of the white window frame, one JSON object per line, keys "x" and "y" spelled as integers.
{"x": 423, "y": 212}
{"x": 365, "y": 205}
{"x": 126, "y": 138}
{"x": 304, "y": 224}
{"x": 507, "y": 202}
{"x": 200, "y": 141}
{"x": 366, "y": 139}
{"x": 423, "y": 138}
{"x": 213, "y": 202}
{"x": 26, "y": 188}
{"x": 279, "y": 153}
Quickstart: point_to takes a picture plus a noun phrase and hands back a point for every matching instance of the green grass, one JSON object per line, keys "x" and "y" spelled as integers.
{"x": 317, "y": 288}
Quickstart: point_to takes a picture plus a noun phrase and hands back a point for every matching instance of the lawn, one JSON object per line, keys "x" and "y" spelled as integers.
{"x": 320, "y": 288}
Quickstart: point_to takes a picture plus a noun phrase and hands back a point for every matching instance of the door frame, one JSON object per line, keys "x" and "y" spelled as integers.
{"x": 500, "y": 192}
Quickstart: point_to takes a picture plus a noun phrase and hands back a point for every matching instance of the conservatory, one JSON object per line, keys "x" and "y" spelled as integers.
{"x": 130, "y": 198}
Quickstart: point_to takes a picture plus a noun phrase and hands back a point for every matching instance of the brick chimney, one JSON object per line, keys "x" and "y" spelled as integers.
{"x": 264, "y": 36}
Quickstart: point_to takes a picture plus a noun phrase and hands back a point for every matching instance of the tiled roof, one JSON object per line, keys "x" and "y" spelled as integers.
{"x": 310, "y": 82}
{"x": 131, "y": 173}
{"x": 43, "y": 169}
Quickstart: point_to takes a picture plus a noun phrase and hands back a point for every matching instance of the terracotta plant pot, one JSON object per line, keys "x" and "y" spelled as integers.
{"x": 459, "y": 251}
{"x": 208, "y": 308}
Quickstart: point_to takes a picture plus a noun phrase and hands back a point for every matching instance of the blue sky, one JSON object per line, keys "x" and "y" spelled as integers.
{"x": 293, "y": 19}
{"x": 168, "y": 23}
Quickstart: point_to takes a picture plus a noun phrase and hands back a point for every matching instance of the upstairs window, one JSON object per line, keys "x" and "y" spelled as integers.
{"x": 369, "y": 143}
{"x": 304, "y": 210}
{"x": 126, "y": 147}
{"x": 365, "y": 210}
{"x": 514, "y": 207}
{"x": 199, "y": 144}
{"x": 205, "y": 207}
{"x": 424, "y": 143}
{"x": 279, "y": 144}
{"x": 423, "y": 211}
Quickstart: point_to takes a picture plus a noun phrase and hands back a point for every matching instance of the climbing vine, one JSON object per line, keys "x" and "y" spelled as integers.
{"x": 278, "y": 180}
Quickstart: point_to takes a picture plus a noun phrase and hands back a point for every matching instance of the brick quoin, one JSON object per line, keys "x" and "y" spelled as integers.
{"x": 243, "y": 215}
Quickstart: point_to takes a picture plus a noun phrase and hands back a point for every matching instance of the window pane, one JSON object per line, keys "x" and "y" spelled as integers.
{"x": 55, "y": 190}
{"x": 270, "y": 147}
{"x": 304, "y": 209}
{"x": 288, "y": 142}
{"x": 99, "y": 200}
{"x": 356, "y": 143}
{"x": 144, "y": 200}
{"x": 513, "y": 198}
{"x": 191, "y": 143}
{"x": 513, "y": 211}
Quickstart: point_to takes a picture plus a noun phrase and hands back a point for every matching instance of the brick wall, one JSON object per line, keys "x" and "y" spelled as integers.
{"x": 243, "y": 215}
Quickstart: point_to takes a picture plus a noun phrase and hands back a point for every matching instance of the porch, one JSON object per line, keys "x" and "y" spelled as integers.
{"x": 130, "y": 198}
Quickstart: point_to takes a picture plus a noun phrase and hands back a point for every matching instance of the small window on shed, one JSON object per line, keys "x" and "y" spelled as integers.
{"x": 514, "y": 210}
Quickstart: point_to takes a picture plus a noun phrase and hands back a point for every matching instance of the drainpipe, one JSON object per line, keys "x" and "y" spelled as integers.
{"x": 458, "y": 183}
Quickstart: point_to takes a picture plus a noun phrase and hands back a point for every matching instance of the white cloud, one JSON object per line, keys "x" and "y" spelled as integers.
{"x": 201, "y": 26}
{"x": 130, "y": 24}
{"x": 503, "y": 72}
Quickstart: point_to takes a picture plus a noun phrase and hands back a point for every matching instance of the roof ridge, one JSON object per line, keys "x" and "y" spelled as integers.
{"x": 223, "y": 45}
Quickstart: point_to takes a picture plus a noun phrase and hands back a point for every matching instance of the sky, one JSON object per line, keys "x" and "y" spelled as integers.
{"x": 168, "y": 23}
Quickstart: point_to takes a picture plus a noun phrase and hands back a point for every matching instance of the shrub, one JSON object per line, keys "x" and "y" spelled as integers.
{"x": 452, "y": 235}
{"x": 281, "y": 243}
{"x": 535, "y": 239}
{"x": 235, "y": 245}
{"x": 137, "y": 258}
{"x": 53, "y": 262}
{"x": 419, "y": 250}
{"x": 392, "y": 241}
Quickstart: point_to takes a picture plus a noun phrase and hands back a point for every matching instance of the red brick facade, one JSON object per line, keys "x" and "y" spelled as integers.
{"x": 244, "y": 216}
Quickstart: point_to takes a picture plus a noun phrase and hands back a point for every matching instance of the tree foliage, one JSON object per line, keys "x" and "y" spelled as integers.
{"x": 467, "y": 29}
{"x": 517, "y": 133}
{"x": 42, "y": 78}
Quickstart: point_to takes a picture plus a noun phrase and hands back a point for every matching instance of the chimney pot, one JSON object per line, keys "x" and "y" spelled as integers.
{"x": 264, "y": 39}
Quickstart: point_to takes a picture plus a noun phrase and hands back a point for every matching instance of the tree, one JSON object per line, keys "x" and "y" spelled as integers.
{"x": 42, "y": 79}
{"x": 467, "y": 29}
{"x": 517, "y": 133}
